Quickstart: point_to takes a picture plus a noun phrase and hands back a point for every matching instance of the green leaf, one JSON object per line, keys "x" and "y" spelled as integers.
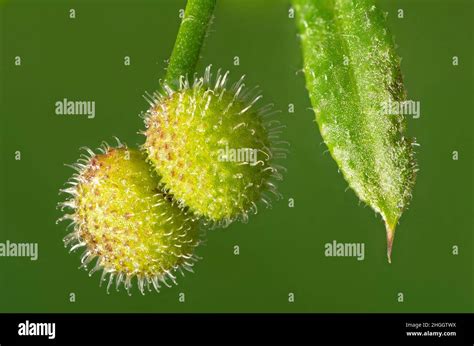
{"x": 352, "y": 72}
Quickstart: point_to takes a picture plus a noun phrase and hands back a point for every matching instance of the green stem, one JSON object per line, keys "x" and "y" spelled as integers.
{"x": 187, "y": 47}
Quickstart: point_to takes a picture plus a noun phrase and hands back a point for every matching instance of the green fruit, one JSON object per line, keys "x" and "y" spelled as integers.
{"x": 352, "y": 71}
{"x": 123, "y": 219}
{"x": 213, "y": 149}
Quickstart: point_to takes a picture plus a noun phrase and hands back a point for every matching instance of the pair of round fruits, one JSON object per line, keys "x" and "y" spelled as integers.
{"x": 140, "y": 213}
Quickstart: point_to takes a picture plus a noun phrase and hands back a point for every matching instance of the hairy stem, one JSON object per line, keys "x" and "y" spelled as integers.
{"x": 192, "y": 32}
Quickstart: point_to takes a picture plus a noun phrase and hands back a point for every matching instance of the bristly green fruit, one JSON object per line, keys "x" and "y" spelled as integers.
{"x": 213, "y": 148}
{"x": 125, "y": 222}
{"x": 352, "y": 71}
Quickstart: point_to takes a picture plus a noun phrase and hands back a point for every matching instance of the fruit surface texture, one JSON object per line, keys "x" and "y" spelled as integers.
{"x": 125, "y": 223}
{"x": 213, "y": 147}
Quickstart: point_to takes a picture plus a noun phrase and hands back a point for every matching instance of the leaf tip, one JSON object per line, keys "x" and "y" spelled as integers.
{"x": 390, "y": 236}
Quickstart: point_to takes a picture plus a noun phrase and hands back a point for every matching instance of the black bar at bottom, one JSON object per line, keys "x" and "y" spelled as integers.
{"x": 159, "y": 329}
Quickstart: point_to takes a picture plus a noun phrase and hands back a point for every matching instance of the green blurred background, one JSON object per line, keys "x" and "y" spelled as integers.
{"x": 282, "y": 249}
